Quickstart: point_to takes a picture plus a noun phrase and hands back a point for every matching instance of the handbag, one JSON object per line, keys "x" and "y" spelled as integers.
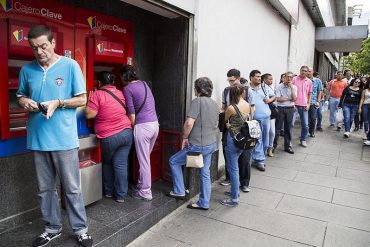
{"x": 274, "y": 110}
{"x": 195, "y": 159}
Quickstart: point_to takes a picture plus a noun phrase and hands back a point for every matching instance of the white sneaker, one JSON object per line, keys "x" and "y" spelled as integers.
{"x": 367, "y": 143}
{"x": 346, "y": 134}
{"x": 304, "y": 144}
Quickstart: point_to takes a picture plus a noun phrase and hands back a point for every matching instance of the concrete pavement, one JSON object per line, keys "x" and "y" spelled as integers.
{"x": 320, "y": 196}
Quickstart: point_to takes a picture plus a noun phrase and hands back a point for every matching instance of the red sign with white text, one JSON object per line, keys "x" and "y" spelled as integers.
{"x": 110, "y": 49}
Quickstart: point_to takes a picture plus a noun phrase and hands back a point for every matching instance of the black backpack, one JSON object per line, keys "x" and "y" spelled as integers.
{"x": 249, "y": 133}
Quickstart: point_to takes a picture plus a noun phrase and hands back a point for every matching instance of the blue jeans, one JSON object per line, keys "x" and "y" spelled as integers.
{"x": 303, "y": 115}
{"x": 319, "y": 115}
{"x": 349, "y": 112}
{"x": 272, "y": 133}
{"x": 233, "y": 153}
{"x": 259, "y": 152}
{"x": 65, "y": 163}
{"x": 312, "y": 116}
{"x": 333, "y": 107}
{"x": 114, "y": 152}
{"x": 366, "y": 116}
{"x": 179, "y": 159}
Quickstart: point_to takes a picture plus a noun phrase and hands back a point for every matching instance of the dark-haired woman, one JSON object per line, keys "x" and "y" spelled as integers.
{"x": 200, "y": 135}
{"x": 364, "y": 108}
{"x": 142, "y": 114}
{"x": 113, "y": 128}
{"x": 234, "y": 124}
{"x": 350, "y": 101}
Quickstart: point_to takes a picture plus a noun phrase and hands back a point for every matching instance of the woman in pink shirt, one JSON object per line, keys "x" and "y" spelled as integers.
{"x": 112, "y": 126}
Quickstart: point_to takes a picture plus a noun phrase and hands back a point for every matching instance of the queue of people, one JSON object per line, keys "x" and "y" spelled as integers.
{"x": 124, "y": 118}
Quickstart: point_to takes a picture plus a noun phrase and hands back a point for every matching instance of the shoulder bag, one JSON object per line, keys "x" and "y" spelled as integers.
{"x": 274, "y": 110}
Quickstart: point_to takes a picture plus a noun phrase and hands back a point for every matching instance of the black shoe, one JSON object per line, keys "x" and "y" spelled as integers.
{"x": 312, "y": 135}
{"x": 44, "y": 239}
{"x": 261, "y": 168}
{"x": 85, "y": 240}
{"x": 320, "y": 129}
{"x": 339, "y": 128}
{"x": 289, "y": 150}
{"x": 356, "y": 129}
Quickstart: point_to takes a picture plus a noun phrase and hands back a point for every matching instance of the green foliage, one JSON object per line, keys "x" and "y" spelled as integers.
{"x": 359, "y": 62}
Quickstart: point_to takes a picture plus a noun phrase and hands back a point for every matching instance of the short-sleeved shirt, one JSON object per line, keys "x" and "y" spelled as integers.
{"x": 336, "y": 88}
{"x": 226, "y": 97}
{"x": 135, "y": 95}
{"x": 205, "y": 112}
{"x": 304, "y": 87}
{"x": 284, "y": 91}
{"x": 316, "y": 89}
{"x": 62, "y": 80}
{"x": 111, "y": 117}
{"x": 262, "y": 110}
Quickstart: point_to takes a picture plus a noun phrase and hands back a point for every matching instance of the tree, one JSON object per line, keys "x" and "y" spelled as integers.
{"x": 359, "y": 62}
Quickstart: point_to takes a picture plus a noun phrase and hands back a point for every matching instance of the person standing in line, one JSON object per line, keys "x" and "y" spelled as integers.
{"x": 51, "y": 88}
{"x": 303, "y": 101}
{"x": 350, "y": 101}
{"x": 322, "y": 102}
{"x": 347, "y": 76}
{"x": 335, "y": 88}
{"x": 113, "y": 128}
{"x": 358, "y": 117}
{"x": 364, "y": 108}
{"x": 200, "y": 133}
{"x": 286, "y": 94}
{"x": 142, "y": 114}
{"x": 245, "y": 159}
{"x": 234, "y": 123}
{"x": 267, "y": 80}
{"x": 315, "y": 102}
{"x": 262, "y": 96}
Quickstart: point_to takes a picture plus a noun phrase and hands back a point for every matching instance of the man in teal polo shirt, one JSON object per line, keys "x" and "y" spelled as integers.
{"x": 51, "y": 88}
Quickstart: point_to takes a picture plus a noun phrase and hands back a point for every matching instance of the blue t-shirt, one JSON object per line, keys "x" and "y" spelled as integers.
{"x": 62, "y": 80}
{"x": 262, "y": 110}
{"x": 316, "y": 88}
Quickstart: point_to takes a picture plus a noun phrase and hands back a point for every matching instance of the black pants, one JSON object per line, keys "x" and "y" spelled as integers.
{"x": 358, "y": 120}
{"x": 285, "y": 117}
{"x": 244, "y": 161}
{"x": 224, "y": 141}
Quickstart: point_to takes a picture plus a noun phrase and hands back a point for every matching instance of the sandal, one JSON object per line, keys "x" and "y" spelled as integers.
{"x": 195, "y": 206}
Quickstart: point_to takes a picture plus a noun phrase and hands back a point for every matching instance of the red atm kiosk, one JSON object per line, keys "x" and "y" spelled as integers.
{"x": 16, "y": 18}
{"x": 105, "y": 43}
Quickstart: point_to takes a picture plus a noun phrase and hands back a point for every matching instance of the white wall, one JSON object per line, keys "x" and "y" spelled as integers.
{"x": 302, "y": 42}
{"x": 239, "y": 34}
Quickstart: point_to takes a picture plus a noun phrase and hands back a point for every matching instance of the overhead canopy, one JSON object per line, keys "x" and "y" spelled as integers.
{"x": 340, "y": 38}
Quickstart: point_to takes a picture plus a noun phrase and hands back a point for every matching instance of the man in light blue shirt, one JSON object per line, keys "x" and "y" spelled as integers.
{"x": 315, "y": 102}
{"x": 262, "y": 95}
{"x": 51, "y": 88}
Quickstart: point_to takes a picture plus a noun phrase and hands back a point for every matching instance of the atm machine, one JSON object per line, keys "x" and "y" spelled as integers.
{"x": 104, "y": 43}
{"x": 15, "y": 22}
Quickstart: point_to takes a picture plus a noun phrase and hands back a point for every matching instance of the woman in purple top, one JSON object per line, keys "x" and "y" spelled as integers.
{"x": 142, "y": 114}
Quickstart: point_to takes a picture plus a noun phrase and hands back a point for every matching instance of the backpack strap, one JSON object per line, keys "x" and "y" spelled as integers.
{"x": 142, "y": 105}
{"x": 238, "y": 112}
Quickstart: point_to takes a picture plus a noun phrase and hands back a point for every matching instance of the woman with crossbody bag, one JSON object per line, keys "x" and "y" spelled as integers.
{"x": 113, "y": 128}
{"x": 141, "y": 111}
{"x": 238, "y": 106}
{"x": 199, "y": 136}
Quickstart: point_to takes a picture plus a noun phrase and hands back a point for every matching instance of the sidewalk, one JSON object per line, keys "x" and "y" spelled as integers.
{"x": 320, "y": 196}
